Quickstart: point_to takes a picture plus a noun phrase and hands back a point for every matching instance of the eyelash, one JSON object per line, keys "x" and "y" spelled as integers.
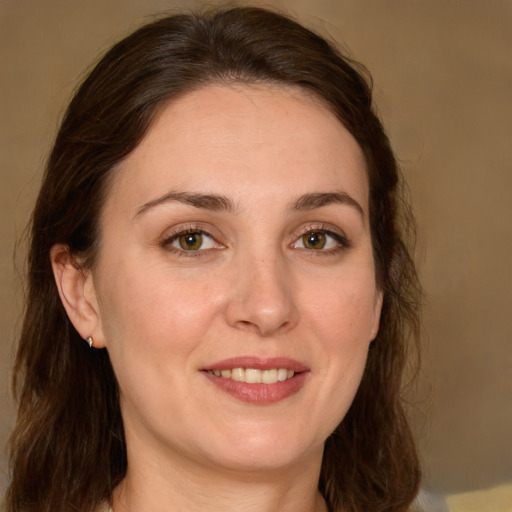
{"x": 340, "y": 240}
{"x": 168, "y": 242}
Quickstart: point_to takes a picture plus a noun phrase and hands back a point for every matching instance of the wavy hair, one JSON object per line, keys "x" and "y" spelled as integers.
{"x": 67, "y": 451}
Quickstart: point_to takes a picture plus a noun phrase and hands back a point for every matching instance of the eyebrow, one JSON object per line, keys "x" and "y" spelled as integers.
{"x": 319, "y": 199}
{"x": 221, "y": 203}
{"x": 205, "y": 201}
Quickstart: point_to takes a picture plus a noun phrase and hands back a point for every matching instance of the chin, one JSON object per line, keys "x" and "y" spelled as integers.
{"x": 265, "y": 453}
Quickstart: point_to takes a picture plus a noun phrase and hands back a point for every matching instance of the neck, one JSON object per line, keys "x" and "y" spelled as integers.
{"x": 153, "y": 486}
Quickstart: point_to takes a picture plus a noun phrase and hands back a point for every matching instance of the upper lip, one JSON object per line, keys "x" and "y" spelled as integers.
{"x": 258, "y": 363}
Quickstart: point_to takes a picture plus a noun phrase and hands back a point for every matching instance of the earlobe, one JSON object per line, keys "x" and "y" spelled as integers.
{"x": 77, "y": 293}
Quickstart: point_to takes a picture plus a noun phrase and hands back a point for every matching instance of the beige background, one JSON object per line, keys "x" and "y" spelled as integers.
{"x": 443, "y": 81}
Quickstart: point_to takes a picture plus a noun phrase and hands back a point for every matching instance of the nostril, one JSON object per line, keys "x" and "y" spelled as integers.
{"x": 247, "y": 325}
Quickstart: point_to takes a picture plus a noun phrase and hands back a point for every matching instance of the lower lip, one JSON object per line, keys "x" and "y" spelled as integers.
{"x": 260, "y": 393}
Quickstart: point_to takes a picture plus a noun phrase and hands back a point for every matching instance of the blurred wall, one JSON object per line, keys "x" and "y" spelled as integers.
{"x": 443, "y": 83}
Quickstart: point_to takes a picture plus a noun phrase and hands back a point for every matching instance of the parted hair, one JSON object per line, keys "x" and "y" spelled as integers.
{"x": 67, "y": 451}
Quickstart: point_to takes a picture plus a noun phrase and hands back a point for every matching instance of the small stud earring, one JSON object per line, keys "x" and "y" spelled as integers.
{"x": 89, "y": 341}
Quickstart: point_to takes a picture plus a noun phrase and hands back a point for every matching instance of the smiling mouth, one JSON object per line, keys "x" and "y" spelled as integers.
{"x": 254, "y": 375}
{"x": 258, "y": 380}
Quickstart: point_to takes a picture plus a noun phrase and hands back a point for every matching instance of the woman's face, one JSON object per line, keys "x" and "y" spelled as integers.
{"x": 235, "y": 247}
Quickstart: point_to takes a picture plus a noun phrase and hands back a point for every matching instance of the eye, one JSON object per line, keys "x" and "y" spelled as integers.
{"x": 321, "y": 240}
{"x": 191, "y": 240}
{"x": 314, "y": 240}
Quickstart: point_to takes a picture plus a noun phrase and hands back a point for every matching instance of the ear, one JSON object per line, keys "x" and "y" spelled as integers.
{"x": 377, "y": 308}
{"x": 77, "y": 293}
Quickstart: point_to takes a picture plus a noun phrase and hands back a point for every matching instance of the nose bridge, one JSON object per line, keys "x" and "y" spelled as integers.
{"x": 263, "y": 298}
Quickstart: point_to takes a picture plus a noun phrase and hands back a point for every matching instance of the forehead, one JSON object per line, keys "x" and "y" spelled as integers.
{"x": 232, "y": 139}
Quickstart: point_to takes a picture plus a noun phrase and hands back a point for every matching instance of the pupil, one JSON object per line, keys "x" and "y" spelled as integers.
{"x": 190, "y": 241}
{"x": 314, "y": 240}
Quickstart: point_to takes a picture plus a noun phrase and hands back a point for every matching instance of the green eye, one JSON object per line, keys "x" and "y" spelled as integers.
{"x": 314, "y": 240}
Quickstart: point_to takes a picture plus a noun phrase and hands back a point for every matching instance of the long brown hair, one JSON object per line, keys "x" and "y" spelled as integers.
{"x": 68, "y": 451}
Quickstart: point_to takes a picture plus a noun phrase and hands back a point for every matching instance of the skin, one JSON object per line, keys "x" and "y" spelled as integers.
{"x": 252, "y": 289}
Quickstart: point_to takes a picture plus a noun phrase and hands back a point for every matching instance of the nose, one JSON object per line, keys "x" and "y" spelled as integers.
{"x": 262, "y": 298}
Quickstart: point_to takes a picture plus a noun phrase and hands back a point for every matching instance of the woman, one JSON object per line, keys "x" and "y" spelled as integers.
{"x": 219, "y": 221}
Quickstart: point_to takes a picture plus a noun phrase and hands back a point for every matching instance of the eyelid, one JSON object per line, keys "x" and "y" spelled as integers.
{"x": 166, "y": 241}
{"x": 341, "y": 239}
{"x": 171, "y": 236}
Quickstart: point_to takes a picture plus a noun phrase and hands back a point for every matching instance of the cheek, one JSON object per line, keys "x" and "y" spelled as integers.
{"x": 343, "y": 325}
{"x": 145, "y": 295}
{"x": 151, "y": 313}
{"x": 153, "y": 323}
{"x": 345, "y": 307}
{"x": 342, "y": 316}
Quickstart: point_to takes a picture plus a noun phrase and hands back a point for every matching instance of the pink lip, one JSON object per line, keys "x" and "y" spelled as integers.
{"x": 259, "y": 393}
{"x": 258, "y": 364}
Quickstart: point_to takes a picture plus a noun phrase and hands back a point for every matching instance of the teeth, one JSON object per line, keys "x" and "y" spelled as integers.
{"x": 238, "y": 374}
{"x": 282, "y": 374}
{"x": 269, "y": 376}
{"x": 252, "y": 376}
{"x": 255, "y": 376}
